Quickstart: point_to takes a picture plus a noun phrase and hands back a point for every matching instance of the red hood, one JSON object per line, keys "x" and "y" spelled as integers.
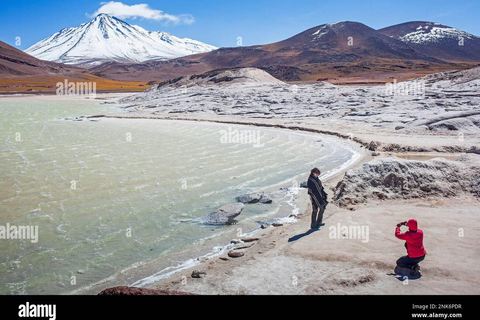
{"x": 412, "y": 225}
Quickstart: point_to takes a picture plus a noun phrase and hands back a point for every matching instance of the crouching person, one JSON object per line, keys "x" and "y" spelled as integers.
{"x": 414, "y": 243}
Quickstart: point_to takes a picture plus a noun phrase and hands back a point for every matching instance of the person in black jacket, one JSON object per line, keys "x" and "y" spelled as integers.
{"x": 318, "y": 197}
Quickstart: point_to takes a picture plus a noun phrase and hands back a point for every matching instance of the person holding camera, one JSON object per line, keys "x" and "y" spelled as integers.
{"x": 414, "y": 243}
{"x": 318, "y": 196}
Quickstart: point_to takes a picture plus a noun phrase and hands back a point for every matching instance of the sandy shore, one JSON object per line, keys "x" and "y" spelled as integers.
{"x": 290, "y": 259}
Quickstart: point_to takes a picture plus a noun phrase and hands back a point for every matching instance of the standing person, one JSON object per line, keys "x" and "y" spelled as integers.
{"x": 414, "y": 243}
{"x": 318, "y": 198}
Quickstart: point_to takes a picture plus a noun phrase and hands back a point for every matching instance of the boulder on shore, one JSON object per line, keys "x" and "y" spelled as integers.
{"x": 254, "y": 198}
{"x": 236, "y": 253}
{"x": 250, "y": 197}
{"x": 395, "y": 178}
{"x": 225, "y": 214}
{"x": 198, "y": 273}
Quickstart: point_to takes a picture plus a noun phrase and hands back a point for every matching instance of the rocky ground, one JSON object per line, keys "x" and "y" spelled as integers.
{"x": 394, "y": 178}
{"x": 421, "y": 140}
{"x": 355, "y": 252}
{"x": 439, "y": 112}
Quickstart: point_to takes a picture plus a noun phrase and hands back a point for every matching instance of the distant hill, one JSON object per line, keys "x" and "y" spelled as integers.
{"x": 437, "y": 40}
{"x": 20, "y": 72}
{"x": 14, "y": 62}
{"x": 335, "y": 50}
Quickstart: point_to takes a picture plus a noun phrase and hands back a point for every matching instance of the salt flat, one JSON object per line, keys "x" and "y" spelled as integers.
{"x": 416, "y": 113}
{"x": 407, "y": 125}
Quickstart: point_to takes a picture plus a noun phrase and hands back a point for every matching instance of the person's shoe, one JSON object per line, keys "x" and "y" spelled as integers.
{"x": 415, "y": 269}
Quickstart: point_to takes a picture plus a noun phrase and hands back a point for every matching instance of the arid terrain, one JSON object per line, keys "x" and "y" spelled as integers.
{"x": 420, "y": 160}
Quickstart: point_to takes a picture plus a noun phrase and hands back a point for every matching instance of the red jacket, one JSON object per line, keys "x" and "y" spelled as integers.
{"x": 413, "y": 238}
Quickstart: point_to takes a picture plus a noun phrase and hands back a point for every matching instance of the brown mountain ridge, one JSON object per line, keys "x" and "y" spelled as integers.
{"x": 330, "y": 51}
{"x": 342, "y": 52}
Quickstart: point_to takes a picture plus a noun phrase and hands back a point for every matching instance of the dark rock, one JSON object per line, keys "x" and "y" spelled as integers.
{"x": 236, "y": 253}
{"x": 266, "y": 199}
{"x": 254, "y": 198}
{"x": 198, "y": 273}
{"x": 474, "y": 149}
{"x": 250, "y": 197}
{"x": 373, "y": 146}
{"x": 134, "y": 291}
{"x": 249, "y": 239}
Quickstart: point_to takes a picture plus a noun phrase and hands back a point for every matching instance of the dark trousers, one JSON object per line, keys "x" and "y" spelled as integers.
{"x": 407, "y": 262}
{"x": 317, "y": 214}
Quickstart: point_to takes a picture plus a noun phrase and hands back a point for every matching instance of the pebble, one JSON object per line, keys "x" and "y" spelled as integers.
{"x": 198, "y": 273}
{"x": 236, "y": 253}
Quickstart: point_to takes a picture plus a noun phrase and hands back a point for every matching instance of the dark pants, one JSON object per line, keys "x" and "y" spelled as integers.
{"x": 407, "y": 262}
{"x": 317, "y": 215}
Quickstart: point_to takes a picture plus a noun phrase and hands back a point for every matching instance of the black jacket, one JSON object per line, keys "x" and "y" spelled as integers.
{"x": 316, "y": 192}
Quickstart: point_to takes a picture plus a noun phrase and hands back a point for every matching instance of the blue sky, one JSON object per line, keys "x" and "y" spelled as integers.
{"x": 221, "y": 22}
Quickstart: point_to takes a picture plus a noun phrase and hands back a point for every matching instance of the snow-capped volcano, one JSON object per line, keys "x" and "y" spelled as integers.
{"x": 106, "y": 38}
{"x": 423, "y": 32}
{"x": 437, "y": 40}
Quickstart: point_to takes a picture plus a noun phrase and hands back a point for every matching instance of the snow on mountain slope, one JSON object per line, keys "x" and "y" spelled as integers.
{"x": 424, "y": 32}
{"x": 437, "y": 40}
{"x": 434, "y": 32}
{"x": 106, "y": 38}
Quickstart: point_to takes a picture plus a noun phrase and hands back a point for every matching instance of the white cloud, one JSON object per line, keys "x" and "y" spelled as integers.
{"x": 142, "y": 10}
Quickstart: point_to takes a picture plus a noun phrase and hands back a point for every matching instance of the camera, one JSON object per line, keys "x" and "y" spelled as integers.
{"x": 404, "y": 223}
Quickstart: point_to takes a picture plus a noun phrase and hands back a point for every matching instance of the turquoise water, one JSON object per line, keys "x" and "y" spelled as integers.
{"x": 117, "y": 200}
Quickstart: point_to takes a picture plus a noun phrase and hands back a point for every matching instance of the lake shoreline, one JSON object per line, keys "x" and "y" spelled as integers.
{"x": 290, "y": 259}
{"x": 258, "y": 271}
{"x": 189, "y": 259}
